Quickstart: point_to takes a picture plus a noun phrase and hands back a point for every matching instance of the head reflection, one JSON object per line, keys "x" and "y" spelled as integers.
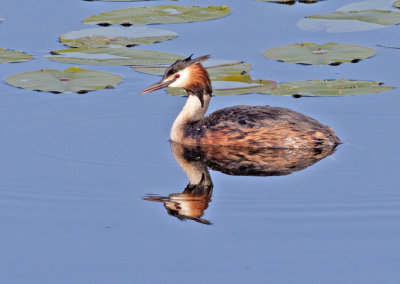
{"x": 196, "y": 160}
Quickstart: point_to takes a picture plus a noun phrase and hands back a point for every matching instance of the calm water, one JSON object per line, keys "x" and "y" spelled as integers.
{"x": 74, "y": 168}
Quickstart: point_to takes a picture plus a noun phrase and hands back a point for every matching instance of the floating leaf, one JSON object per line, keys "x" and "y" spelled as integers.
{"x": 215, "y": 68}
{"x": 117, "y": 0}
{"x": 73, "y": 79}
{"x": 161, "y": 14}
{"x": 350, "y": 21}
{"x": 316, "y": 88}
{"x": 397, "y": 4}
{"x": 112, "y": 56}
{"x": 290, "y": 2}
{"x": 115, "y": 36}
{"x": 233, "y": 85}
{"x": 311, "y": 53}
{"x": 10, "y": 56}
{"x": 368, "y": 5}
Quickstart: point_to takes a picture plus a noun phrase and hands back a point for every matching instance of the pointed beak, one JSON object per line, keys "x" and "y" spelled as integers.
{"x": 157, "y": 86}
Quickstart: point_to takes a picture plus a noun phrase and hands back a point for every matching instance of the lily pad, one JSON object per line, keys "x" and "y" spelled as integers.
{"x": 73, "y": 79}
{"x": 215, "y": 68}
{"x": 311, "y": 53}
{"x": 161, "y": 14}
{"x": 115, "y": 36}
{"x": 368, "y": 5}
{"x": 350, "y": 21}
{"x": 10, "y": 56}
{"x": 317, "y": 88}
{"x": 117, "y": 0}
{"x": 291, "y": 2}
{"x": 397, "y": 4}
{"x": 233, "y": 85}
{"x": 113, "y": 56}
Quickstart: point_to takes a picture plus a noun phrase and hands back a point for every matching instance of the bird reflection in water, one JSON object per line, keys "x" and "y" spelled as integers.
{"x": 195, "y": 160}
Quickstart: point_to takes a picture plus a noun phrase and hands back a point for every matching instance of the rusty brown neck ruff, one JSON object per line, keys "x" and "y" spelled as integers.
{"x": 199, "y": 91}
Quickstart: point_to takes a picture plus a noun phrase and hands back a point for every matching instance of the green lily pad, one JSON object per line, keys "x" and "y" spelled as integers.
{"x": 73, "y": 79}
{"x": 311, "y": 53}
{"x": 10, "y": 56}
{"x": 113, "y": 56}
{"x": 115, "y": 36}
{"x": 317, "y": 88}
{"x": 350, "y": 21}
{"x": 368, "y": 5}
{"x": 117, "y": 0}
{"x": 291, "y": 2}
{"x": 161, "y": 14}
{"x": 215, "y": 68}
{"x": 397, "y": 4}
{"x": 233, "y": 85}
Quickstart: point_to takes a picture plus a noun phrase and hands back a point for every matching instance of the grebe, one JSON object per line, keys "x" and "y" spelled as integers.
{"x": 242, "y": 126}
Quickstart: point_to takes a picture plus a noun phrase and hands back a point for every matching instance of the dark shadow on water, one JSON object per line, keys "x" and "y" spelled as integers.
{"x": 196, "y": 160}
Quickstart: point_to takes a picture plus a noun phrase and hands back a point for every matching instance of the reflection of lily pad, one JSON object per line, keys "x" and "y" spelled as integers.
{"x": 311, "y": 53}
{"x": 350, "y": 21}
{"x": 233, "y": 85}
{"x": 73, "y": 79}
{"x": 8, "y": 56}
{"x": 111, "y": 36}
{"x": 112, "y": 56}
{"x": 215, "y": 68}
{"x": 161, "y": 14}
{"x": 315, "y": 88}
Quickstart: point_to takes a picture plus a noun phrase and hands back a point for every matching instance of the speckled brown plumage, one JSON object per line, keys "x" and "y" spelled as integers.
{"x": 244, "y": 126}
{"x": 259, "y": 126}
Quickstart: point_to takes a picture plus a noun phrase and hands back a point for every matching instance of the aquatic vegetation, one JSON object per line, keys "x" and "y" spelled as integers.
{"x": 291, "y": 2}
{"x": 161, "y": 14}
{"x": 10, "y": 56}
{"x": 233, "y": 85}
{"x": 215, "y": 68}
{"x": 359, "y": 16}
{"x": 115, "y": 36}
{"x": 112, "y": 56}
{"x": 317, "y": 88}
{"x": 73, "y": 79}
{"x": 315, "y": 54}
{"x": 397, "y": 4}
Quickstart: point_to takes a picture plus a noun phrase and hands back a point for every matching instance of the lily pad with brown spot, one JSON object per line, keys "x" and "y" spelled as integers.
{"x": 315, "y": 54}
{"x": 319, "y": 88}
{"x": 160, "y": 14}
{"x": 115, "y": 36}
{"x": 10, "y": 56}
{"x": 113, "y": 56}
{"x": 73, "y": 79}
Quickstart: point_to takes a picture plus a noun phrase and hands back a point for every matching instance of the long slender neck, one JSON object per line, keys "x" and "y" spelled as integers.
{"x": 193, "y": 111}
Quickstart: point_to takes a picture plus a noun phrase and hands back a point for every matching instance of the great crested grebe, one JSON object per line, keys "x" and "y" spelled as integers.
{"x": 242, "y": 126}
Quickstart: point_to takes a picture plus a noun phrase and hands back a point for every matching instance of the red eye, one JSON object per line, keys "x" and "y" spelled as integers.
{"x": 177, "y": 76}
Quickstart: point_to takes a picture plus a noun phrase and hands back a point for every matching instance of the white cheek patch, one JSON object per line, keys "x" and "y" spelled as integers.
{"x": 183, "y": 80}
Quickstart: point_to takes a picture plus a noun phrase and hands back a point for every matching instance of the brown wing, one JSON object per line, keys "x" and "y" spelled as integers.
{"x": 260, "y": 126}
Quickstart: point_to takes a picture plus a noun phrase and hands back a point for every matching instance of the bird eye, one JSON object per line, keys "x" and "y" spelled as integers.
{"x": 177, "y": 76}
